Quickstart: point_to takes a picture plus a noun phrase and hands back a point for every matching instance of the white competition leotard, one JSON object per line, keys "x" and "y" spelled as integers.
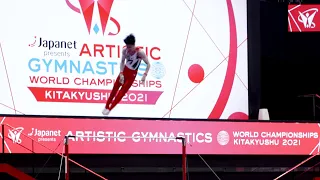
{"x": 132, "y": 61}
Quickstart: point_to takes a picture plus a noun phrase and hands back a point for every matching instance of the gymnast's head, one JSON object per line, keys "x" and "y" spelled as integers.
{"x": 130, "y": 42}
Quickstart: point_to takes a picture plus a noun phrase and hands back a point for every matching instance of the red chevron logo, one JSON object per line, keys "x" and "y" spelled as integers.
{"x": 104, "y": 8}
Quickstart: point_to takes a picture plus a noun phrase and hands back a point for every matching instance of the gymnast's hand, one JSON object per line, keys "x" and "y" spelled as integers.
{"x": 143, "y": 79}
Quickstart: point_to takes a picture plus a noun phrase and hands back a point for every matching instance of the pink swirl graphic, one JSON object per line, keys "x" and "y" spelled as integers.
{"x": 231, "y": 69}
{"x": 71, "y": 6}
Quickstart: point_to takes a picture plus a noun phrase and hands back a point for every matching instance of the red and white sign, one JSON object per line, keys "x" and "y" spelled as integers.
{"x": 202, "y": 137}
{"x": 303, "y": 18}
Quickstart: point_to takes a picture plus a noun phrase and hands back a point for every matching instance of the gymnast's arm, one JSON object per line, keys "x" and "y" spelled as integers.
{"x": 123, "y": 60}
{"x": 144, "y": 57}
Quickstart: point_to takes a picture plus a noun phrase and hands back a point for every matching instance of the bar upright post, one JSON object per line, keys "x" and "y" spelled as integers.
{"x": 67, "y": 165}
{"x": 2, "y": 133}
{"x": 184, "y": 159}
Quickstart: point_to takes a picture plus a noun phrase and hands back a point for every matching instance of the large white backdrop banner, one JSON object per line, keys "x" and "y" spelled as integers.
{"x": 61, "y": 57}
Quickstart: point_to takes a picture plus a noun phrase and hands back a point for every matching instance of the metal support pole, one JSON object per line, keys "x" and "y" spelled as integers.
{"x": 2, "y": 133}
{"x": 66, "y": 153}
{"x": 184, "y": 159}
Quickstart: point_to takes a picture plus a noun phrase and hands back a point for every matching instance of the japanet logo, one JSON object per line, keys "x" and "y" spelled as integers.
{"x": 303, "y": 18}
{"x": 104, "y": 8}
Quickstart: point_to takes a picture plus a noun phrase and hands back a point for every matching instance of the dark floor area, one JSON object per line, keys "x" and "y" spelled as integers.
{"x": 175, "y": 176}
{"x": 154, "y": 167}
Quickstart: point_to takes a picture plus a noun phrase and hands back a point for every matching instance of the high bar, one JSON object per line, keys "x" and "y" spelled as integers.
{"x": 124, "y": 137}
